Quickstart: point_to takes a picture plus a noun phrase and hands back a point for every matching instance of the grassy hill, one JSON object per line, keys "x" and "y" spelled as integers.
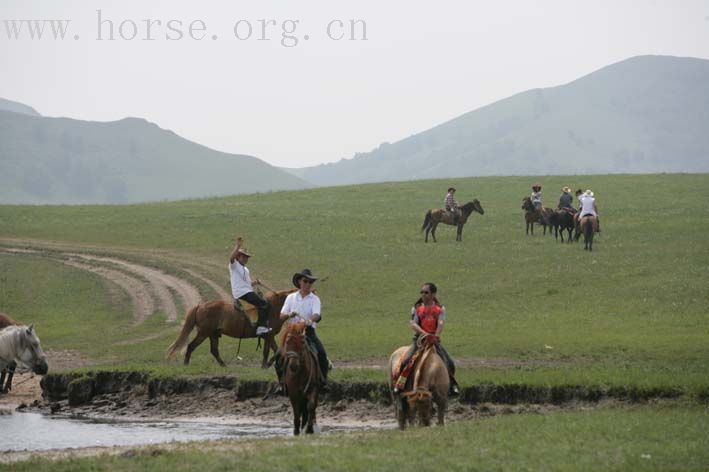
{"x": 522, "y": 309}
{"x": 642, "y": 115}
{"x": 60, "y": 160}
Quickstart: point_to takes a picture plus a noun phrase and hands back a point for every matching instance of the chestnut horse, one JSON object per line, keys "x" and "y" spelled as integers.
{"x": 430, "y": 385}
{"x": 301, "y": 377}
{"x": 208, "y": 316}
{"x": 589, "y": 226}
{"x": 439, "y": 215}
{"x": 533, "y": 215}
{"x": 5, "y": 387}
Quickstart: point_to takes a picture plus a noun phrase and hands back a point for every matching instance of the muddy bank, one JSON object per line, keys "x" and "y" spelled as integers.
{"x": 140, "y": 394}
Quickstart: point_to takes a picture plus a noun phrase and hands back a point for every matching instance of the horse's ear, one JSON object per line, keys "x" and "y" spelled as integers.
{"x": 30, "y": 328}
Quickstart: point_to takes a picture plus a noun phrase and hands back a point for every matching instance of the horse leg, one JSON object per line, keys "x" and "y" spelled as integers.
{"x": 192, "y": 346}
{"x": 214, "y": 349}
{"x": 10, "y": 374}
{"x": 459, "y": 233}
{"x": 296, "y": 418}
{"x": 400, "y": 411}
{"x": 270, "y": 346}
{"x": 441, "y": 405}
{"x": 2, "y": 381}
{"x": 428, "y": 228}
{"x": 433, "y": 231}
{"x": 310, "y": 411}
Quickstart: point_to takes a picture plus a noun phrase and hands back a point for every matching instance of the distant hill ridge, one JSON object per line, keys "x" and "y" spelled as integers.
{"x": 61, "y": 160}
{"x": 642, "y": 115}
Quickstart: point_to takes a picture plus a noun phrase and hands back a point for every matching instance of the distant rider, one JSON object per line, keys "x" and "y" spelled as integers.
{"x": 589, "y": 208}
{"x": 452, "y": 205}
{"x": 242, "y": 288}
{"x": 566, "y": 200}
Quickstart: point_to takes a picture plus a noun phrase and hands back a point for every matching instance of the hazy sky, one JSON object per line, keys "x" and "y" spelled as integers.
{"x": 295, "y": 102}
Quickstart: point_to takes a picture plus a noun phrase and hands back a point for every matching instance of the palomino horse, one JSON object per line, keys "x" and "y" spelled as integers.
{"x": 301, "y": 377}
{"x": 440, "y": 215}
{"x": 430, "y": 385}
{"x": 9, "y": 371}
{"x": 208, "y": 316}
{"x": 20, "y": 345}
{"x": 588, "y": 226}
{"x": 533, "y": 215}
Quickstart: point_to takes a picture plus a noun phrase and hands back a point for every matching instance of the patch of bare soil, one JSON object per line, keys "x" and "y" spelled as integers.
{"x": 25, "y": 386}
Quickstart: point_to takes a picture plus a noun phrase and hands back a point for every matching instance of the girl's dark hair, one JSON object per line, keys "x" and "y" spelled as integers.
{"x": 432, "y": 286}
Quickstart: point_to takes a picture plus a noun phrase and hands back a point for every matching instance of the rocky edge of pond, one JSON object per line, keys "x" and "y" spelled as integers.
{"x": 125, "y": 393}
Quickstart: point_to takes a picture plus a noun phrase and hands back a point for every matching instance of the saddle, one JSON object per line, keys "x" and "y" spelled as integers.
{"x": 248, "y": 310}
{"x": 404, "y": 381}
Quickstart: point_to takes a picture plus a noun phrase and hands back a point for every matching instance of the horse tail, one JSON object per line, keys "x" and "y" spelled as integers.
{"x": 426, "y": 220}
{"x": 187, "y": 327}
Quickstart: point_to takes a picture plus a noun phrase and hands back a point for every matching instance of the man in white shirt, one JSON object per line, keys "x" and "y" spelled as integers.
{"x": 589, "y": 208}
{"x": 242, "y": 288}
{"x": 304, "y": 305}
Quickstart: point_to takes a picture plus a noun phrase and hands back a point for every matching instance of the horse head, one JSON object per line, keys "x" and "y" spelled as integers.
{"x": 470, "y": 207}
{"x": 294, "y": 342}
{"x": 31, "y": 355}
{"x": 527, "y": 204}
{"x": 421, "y": 402}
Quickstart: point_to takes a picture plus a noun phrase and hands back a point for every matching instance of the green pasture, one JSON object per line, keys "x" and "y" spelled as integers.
{"x": 669, "y": 437}
{"x": 521, "y": 309}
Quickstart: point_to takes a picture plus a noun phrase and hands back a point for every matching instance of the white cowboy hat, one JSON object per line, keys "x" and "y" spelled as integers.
{"x": 588, "y": 193}
{"x": 566, "y": 190}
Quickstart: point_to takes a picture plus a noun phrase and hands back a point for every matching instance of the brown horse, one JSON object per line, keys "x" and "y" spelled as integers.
{"x": 5, "y": 387}
{"x": 301, "y": 377}
{"x": 430, "y": 385}
{"x": 209, "y": 316}
{"x": 533, "y": 215}
{"x": 589, "y": 226}
{"x": 439, "y": 215}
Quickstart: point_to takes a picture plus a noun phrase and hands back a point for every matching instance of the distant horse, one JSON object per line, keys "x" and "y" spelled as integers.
{"x": 588, "y": 225}
{"x": 563, "y": 220}
{"x": 207, "y": 317}
{"x": 6, "y": 321}
{"x": 20, "y": 345}
{"x": 533, "y": 215}
{"x": 301, "y": 377}
{"x": 439, "y": 215}
{"x": 430, "y": 385}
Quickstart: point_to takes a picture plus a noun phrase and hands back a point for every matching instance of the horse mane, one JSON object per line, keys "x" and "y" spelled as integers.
{"x": 296, "y": 329}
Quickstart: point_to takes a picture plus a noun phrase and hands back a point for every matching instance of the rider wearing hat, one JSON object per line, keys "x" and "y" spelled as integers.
{"x": 589, "y": 208}
{"x": 566, "y": 200}
{"x": 242, "y": 288}
{"x": 452, "y": 205}
{"x": 537, "y": 197}
{"x": 304, "y": 305}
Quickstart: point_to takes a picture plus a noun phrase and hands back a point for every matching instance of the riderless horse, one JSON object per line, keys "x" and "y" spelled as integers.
{"x": 217, "y": 317}
{"x": 20, "y": 345}
{"x": 563, "y": 220}
{"x": 435, "y": 216}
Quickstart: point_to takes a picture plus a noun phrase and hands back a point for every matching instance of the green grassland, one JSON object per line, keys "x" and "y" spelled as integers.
{"x": 633, "y": 312}
{"x": 670, "y": 437}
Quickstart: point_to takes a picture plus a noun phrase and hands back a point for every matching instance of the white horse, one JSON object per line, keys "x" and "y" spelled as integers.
{"x": 20, "y": 344}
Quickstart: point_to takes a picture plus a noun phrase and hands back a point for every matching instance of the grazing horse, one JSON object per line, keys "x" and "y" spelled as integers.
{"x": 6, "y": 321}
{"x": 20, "y": 345}
{"x": 533, "y": 215}
{"x": 439, "y": 215}
{"x": 301, "y": 377}
{"x": 208, "y": 317}
{"x": 430, "y": 385}
{"x": 563, "y": 220}
{"x": 588, "y": 227}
